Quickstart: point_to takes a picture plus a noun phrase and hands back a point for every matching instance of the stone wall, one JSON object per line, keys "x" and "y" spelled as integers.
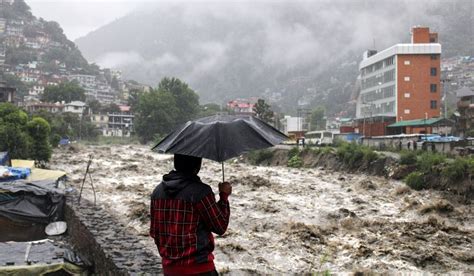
{"x": 104, "y": 242}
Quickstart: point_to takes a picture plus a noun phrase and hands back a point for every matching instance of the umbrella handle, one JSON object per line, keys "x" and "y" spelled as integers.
{"x": 223, "y": 179}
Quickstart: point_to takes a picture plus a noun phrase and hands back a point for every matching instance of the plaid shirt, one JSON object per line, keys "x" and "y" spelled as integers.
{"x": 181, "y": 224}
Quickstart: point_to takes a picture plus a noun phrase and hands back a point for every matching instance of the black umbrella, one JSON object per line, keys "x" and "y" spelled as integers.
{"x": 220, "y": 137}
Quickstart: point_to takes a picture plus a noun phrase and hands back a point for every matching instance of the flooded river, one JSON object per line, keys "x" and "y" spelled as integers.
{"x": 287, "y": 220}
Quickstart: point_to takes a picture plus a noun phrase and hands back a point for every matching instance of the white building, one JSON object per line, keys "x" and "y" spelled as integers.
{"x": 83, "y": 80}
{"x": 76, "y": 107}
{"x": 293, "y": 124}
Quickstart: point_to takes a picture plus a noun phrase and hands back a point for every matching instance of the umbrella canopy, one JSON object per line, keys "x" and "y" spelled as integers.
{"x": 220, "y": 137}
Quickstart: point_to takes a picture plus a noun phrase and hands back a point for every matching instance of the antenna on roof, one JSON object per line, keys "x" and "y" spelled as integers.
{"x": 374, "y": 42}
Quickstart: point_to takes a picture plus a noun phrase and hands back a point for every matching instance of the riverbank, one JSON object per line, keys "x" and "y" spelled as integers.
{"x": 294, "y": 220}
{"x": 419, "y": 170}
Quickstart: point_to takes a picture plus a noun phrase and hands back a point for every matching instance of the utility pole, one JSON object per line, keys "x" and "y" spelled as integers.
{"x": 445, "y": 102}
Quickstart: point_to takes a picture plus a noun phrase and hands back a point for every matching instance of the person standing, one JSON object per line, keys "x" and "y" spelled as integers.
{"x": 184, "y": 214}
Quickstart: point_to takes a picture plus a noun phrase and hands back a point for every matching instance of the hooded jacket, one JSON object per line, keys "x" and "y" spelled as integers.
{"x": 184, "y": 213}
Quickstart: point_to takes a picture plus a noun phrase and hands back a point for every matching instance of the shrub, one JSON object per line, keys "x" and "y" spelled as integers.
{"x": 369, "y": 155}
{"x": 256, "y": 157}
{"x": 407, "y": 158}
{"x": 326, "y": 150}
{"x": 428, "y": 160}
{"x": 295, "y": 162}
{"x": 351, "y": 154}
{"x": 458, "y": 169}
{"x": 415, "y": 180}
{"x": 293, "y": 152}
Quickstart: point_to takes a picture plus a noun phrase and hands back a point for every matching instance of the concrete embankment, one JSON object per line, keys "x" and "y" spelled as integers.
{"x": 105, "y": 243}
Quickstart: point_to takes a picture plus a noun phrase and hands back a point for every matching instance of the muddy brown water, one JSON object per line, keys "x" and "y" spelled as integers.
{"x": 294, "y": 220}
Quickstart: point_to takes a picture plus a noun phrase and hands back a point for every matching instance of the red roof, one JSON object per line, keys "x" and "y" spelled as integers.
{"x": 124, "y": 108}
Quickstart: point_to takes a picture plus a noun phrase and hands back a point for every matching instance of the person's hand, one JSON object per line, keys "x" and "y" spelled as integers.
{"x": 225, "y": 187}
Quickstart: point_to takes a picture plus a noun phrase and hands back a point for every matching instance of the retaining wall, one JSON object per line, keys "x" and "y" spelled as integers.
{"x": 103, "y": 241}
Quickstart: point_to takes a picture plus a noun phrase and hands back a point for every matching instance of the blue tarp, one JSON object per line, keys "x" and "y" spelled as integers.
{"x": 439, "y": 138}
{"x": 16, "y": 173}
{"x": 64, "y": 141}
{"x": 4, "y": 158}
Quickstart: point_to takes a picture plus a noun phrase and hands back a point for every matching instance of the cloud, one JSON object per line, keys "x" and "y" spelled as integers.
{"x": 119, "y": 59}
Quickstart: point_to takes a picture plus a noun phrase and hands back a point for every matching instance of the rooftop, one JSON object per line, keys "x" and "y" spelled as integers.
{"x": 421, "y": 122}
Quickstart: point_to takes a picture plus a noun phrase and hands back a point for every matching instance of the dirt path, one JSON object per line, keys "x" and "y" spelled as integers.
{"x": 295, "y": 220}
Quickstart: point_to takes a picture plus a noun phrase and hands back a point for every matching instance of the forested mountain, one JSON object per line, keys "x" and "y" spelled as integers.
{"x": 289, "y": 53}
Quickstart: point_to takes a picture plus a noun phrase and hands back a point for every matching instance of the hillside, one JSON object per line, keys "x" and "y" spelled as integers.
{"x": 289, "y": 53}
{"x": 35, "y": 53}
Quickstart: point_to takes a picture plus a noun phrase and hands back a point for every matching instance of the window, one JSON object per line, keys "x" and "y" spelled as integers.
{"x": 407, "y": 95}
{"x": 406, "y": 78}
{"x": 434, "y": 57}
{"x": 433, "y": 71}
{"x": 433, "y": 104}
{"x": 406, "y": 62}
{"x": 433, "y": 88}
{"x": 407, "y": 111}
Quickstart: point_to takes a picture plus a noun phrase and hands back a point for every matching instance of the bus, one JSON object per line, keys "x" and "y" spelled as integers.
{"x": 319, "y": 137}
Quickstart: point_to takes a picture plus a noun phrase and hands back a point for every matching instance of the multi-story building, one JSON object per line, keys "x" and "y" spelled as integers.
{"x": 400, "y": 83}
{"x": 466, "y": 111}
{"x": 76, "y": 107}
{"x": 36, "y": 91}
{"x": 50, "y": 107}
{"x": 7, "y": 94}
{"x": 120, "y": 123}
{"x": 83, "y": 80}
{"x": 100, "y": 121}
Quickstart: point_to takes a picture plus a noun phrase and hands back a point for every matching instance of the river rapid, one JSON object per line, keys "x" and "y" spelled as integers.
{"x": 293, "y": 221}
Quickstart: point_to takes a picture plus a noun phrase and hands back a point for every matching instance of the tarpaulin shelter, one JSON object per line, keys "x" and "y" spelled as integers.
{"x": 34, "y": 201}
{"x": 39, "y": 258}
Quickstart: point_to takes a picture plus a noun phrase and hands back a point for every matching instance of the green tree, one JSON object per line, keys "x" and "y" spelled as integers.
{"x": 317, "y": 121}
{"x": 66, "y": 91}
{"x": 208, "y": 110}
{"x": 111, "y": 108}
{"x": 263, "y": 111}
{"x": 94, "y": 106}
{"x": 39, "y": 130}
{"x": 13, "y": 137}
{"x": 161, "y": 110}
{"x": 21, "y": 8}
{"x": 133, "y": 98}
{"x": 186, "y": 99}
{"x": 155, "y": 114}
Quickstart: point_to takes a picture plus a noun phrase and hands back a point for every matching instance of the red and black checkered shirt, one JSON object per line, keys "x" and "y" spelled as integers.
{"x": 184, "y": 212}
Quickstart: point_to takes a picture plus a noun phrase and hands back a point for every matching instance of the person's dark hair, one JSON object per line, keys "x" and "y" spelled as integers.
{"x": 187, "y": 164}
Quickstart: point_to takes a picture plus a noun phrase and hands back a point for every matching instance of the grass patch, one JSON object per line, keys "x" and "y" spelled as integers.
{"x": 352, "y": 154}
{"x": 459, "y": 169}
{"x": 407, "y": 158}
{"x": 427, "y": 161}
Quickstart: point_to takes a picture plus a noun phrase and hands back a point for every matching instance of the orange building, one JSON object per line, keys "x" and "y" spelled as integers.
{"x": 400, "y": 83}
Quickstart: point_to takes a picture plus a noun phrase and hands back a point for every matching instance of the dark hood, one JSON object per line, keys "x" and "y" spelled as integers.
{"x": 175, "y": 181}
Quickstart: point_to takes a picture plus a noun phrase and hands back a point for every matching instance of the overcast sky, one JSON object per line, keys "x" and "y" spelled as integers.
{"x": 79, "y": 17}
